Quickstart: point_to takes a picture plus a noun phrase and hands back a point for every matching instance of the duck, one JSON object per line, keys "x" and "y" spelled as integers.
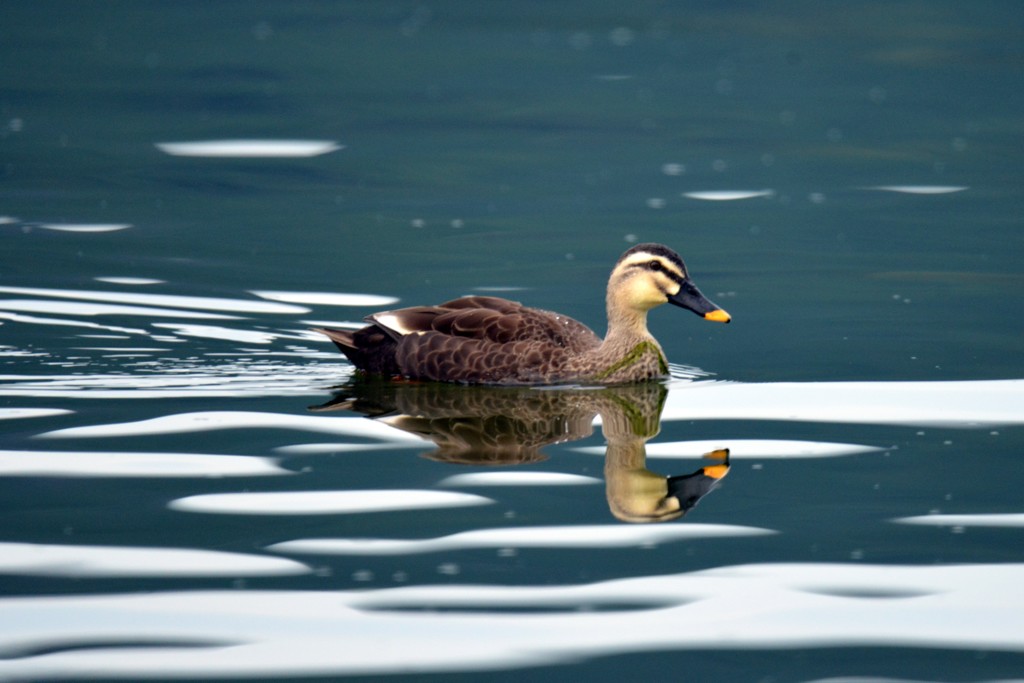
{"x": 494, "y": 341}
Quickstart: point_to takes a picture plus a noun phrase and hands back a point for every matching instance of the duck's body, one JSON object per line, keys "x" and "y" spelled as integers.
{"x": 489, "y": 340}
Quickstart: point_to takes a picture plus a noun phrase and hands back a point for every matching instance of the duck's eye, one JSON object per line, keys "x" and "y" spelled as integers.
{"x": 654, "y": 265}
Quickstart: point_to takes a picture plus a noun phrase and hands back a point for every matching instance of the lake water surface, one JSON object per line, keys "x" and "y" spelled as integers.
{"x": 192, "y": 488}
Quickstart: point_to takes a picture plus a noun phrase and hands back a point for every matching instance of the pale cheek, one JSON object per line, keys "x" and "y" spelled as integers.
{"x": 650, "y": 297}
{"x": 661, "y": 295}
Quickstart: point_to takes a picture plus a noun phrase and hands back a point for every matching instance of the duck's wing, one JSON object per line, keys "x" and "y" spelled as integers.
{"x": 491, "y": 303}
{"x": 488, "y": 319}
{"x": 464, "y": 317}
{"x": 483, "y": 340}
{"x": 501, "y": 321}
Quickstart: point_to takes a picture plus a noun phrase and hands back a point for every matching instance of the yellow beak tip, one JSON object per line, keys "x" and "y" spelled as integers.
{"x": 718, "y": 316}
{"x": 716, "y": 471}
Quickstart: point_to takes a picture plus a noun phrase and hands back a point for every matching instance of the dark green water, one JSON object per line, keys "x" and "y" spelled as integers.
{"x": 864, "y": 165}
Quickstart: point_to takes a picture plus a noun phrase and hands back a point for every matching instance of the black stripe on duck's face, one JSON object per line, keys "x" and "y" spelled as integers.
{"x": 655, "y": 251}
{"x": 669, "y": 270}
{"x": 673, "y": 270}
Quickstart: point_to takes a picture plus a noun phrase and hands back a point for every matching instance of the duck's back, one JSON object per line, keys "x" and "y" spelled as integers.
{"x": 483, "y": 340}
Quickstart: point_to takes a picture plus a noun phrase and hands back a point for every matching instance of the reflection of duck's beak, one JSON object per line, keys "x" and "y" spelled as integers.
{"x": 636, "y": 494}
{"x": 688, "y": 489}
{"x": 718, "y": 471}
{"x": 690, "y": 298}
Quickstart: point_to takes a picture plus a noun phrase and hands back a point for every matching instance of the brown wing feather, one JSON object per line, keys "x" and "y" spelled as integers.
{"x": 491, "y": 303}
{"x": 503, "y": 321}
{"x": 487, "y": 340}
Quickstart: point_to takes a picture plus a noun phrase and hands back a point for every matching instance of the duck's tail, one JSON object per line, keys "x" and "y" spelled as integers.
{"x": 343, "y": 339}
{"x": 369, "y": 349}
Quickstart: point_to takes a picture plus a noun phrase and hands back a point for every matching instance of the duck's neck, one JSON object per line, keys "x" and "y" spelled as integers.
{"x": 626, "y": 328}
{"x": 628, "y": 353}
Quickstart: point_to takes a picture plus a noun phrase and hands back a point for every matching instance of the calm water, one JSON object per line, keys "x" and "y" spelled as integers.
{"x": 187, "y": 187}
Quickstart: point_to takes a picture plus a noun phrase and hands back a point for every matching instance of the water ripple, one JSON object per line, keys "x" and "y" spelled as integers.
{"x": 187, "y": 423}
{"x": 748, "y": 448}
{"x": 554, "y": 537}
{"x": 78, "y": 561}
{"x": 94, "y": 308}
{"x": 963, "y": 404}
{"x": 204, "y": 303}
{"x": 324, "y": 502}
{"x": 728, "y": 195}
{"x": 328, "y": 298}
{"x": 919, "y": 189}
{"x": 249, "y": 148}
{"x": 296, "y": 633}
{"x": 83, "y": 227}
{"x": 22, "y": 413}
{"x": 129, "y": 464}
{"x": 1012, "y": 520}
{"x": 178, "y": 378}
{"x": 517, "y": 478}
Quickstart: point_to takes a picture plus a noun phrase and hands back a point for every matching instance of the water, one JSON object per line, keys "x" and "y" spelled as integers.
{"x": 188, "y": 187}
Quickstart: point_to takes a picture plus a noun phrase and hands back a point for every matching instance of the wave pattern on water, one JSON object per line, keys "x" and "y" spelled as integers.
{"x": 295, "y": 632}
{"x": 249, "y": 375}
{"x": 731, "y": 608}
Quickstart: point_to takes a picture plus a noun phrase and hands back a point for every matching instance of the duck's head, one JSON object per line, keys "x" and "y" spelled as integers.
{"x": 650, "y": 275}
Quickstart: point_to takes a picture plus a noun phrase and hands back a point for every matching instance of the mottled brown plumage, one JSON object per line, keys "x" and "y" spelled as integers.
{"x": 488, "y": 340}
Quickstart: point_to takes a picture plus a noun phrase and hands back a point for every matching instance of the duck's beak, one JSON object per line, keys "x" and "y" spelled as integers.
{"x": 690, "y": 298}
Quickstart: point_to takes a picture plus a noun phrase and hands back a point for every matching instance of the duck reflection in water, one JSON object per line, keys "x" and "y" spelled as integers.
{"x": 510, "y": 425}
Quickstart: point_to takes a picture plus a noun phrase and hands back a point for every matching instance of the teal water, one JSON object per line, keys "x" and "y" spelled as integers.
{"x": 845, "y": 180}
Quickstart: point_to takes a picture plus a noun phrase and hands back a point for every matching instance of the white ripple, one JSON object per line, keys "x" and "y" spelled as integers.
{"x": 341, "y": 324}
{"x": 249, "y": 148}
{"x": 142, "y": 350}
{"x": 21, "y": 413}
{"x": 324, "y": 502}
{"x": 91, "y": 308}
{"x": 518, "y": 478}
{"x": 130, "y": 280}
{"x": 218, "y": 332}
{"x": 79, "y": 562}
{"x": 62, "y": 322}
{"x": 328, "y": 298}
{"x": 920, "y": 189}
{"x": 133, "y": 464}
{"x": 747, "y": 448}
{"x": 202, "y": 303}
{"x": 83, "y": 227}
{"x": 557, "y": 537}
{"x": 962, "y": 404}
{"x": 337, "y": 447}
{"x": 980, "y": 520}
{"x": 728, "y": 195}
{"x": 187, "y": 423}
{"x": 182, "y": 378}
